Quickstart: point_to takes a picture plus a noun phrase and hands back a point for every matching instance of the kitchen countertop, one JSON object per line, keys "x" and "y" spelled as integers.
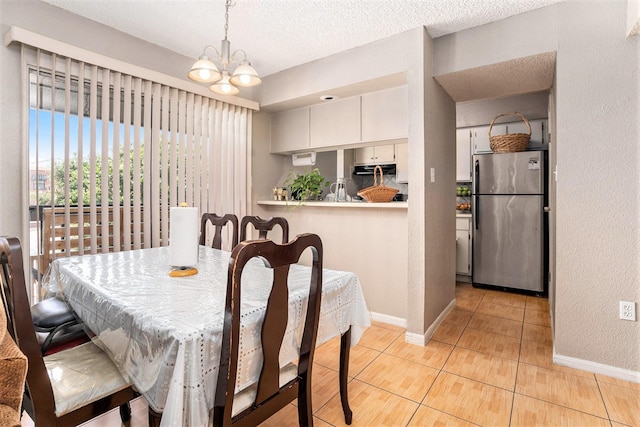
{"x": 356, "y": 205}
{"x": 462, "y": 214}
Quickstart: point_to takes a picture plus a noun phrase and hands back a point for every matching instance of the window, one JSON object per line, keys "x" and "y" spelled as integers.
{"x": 110, "y": 153}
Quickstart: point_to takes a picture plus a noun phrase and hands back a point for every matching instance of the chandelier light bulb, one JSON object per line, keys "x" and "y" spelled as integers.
{"x": 205, "y": 74}
{"x": 224, "y": 87}
{"x": 204, "y": 71}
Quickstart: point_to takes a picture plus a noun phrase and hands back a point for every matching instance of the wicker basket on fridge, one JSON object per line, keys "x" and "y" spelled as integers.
{"x": 510, "y": 142}
{"x": 378, "y": 192}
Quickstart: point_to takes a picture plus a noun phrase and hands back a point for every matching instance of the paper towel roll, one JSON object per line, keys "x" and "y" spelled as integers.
{"x": 183, "y": 237}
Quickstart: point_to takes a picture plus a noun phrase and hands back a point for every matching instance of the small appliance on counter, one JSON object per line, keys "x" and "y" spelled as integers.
{"x": 388, "y": 169}
{"x": 339, "y": 191}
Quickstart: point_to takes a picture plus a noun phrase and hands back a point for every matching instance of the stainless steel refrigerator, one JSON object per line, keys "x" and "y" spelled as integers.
{"x": 509, "y": 236}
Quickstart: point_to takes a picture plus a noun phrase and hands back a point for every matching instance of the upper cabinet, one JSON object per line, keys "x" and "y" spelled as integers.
{"x": 290, "y": 130}
{"x": 463, "y": 154}
{"x": 539, "y": 134}
{"x": 335, "y": 123}
{"x": 385, "y": 114}
{"x": 480, "y": 137}
{"x": 379, "y": 154}
{"x": 402, "y": 163}
{"x": 372, "y": 117}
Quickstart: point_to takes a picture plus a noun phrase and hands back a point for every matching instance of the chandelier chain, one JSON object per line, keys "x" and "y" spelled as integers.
{"x": 227, "y": 5}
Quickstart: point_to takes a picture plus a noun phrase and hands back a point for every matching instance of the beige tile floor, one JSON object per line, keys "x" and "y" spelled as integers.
{"x": 488, "y": 364}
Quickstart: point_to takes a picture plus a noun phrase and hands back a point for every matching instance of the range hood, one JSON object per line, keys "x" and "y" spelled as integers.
{"x": 387, "y": 169}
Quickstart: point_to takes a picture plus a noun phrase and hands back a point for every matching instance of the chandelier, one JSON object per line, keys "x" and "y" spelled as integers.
{"x": 205, "y": 70}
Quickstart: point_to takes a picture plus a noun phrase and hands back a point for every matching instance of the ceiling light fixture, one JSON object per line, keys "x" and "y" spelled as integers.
{"x": 205, "y": 70}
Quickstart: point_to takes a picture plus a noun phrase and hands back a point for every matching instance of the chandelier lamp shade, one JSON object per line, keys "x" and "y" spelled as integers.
{"x": 205, "y": 70}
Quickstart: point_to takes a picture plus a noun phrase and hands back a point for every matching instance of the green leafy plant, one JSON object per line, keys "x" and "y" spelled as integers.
{"x": 307, "y": 186}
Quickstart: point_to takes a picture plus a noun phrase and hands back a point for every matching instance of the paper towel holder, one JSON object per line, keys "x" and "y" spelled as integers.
{"x": 304, "y": 159}
{"x": 182, "y": 262}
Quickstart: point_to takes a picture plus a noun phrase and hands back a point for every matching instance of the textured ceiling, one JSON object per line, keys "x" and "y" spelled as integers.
{"x": 280, "y": 34}
{"x": 522, "y": 75}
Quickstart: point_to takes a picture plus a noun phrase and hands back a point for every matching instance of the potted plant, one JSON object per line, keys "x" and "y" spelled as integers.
{"x": 307, "y": 186}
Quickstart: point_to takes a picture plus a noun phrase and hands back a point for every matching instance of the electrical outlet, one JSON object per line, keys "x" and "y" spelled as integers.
{"x": 628, "y": 310}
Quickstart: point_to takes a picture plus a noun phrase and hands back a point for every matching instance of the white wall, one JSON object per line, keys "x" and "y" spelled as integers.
{"x": 633, "y": 17}
{"x": 597, "y": 128}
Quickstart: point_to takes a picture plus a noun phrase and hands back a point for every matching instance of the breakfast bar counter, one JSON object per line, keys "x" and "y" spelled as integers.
{"x": 323, "y": 204}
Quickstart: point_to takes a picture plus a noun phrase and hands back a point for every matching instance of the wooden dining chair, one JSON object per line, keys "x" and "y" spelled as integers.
{"x": 218, "y": 222}
{"x": 277, "y": 385}
{"x": 66, "y": 388}
{"x": 263, "y": 226}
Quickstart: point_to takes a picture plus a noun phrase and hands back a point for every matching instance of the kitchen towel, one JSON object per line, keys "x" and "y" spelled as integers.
{"x": 183, "y": 237}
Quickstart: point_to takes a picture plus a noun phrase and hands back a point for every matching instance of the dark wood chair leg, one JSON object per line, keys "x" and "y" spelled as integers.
{"x": 154, "y": 418}
{"x": 345, "y": 347}
{"x": 305, "y": 409}
{"x": 125, "y": 412}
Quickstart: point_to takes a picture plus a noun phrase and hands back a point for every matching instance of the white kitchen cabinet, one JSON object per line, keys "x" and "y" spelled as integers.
{"x": 481, "y": 137}
{"x": 335, "y": 123}
{"x": 463, "y": 154}
{"x": 539, "y": 134}
{"x": 539, "y": 131}
{"x": 385, "y": 114}
{"x": 290, "y": 130}
{"x": 402, "y": 163}
{"x": 463, "y": 246}
{"x": 378, "y": 154}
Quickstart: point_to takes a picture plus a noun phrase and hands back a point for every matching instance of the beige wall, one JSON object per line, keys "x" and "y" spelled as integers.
{"x": 598, "y": 188}
{"x": 428, "y": 271}
{"x": 368, "y": 242}
{"x": 597, "y": 129}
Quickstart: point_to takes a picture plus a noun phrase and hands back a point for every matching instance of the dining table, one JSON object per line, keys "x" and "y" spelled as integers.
{"x": 164, "y": 333}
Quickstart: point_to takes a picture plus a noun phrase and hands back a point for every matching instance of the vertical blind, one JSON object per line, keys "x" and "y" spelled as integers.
{"x": 110, "y": 153}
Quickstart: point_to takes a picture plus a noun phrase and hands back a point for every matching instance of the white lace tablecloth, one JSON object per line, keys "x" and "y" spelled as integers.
{"x": 164, "y": 333}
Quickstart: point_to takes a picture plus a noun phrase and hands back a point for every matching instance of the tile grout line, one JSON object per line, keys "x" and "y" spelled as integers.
{"x": 604, "y": 402}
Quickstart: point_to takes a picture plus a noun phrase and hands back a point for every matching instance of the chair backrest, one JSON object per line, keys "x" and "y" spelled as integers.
{"x": 270, "y": 397}
{"x": 263, "y": 226}
{"x": 20, "y": 325}
{"x": 219, "y": 223}
{"x": 39, "y": 400}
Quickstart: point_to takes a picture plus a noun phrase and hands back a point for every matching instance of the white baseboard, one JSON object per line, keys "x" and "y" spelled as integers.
{"x": 422, "y": 340}
{"x": 597, "y": 368}
{"x": 390, "y": 320}
{"x": 417, "y": 339}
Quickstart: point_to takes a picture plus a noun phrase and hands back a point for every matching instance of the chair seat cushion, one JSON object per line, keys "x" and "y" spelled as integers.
{"x": 51, "y": 312}
{"x": 245, "y": 398}
{"x": 82, "y": 375}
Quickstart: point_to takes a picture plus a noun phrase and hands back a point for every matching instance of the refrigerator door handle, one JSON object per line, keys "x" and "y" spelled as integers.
{"x": 476, "y": 185}
{"x": 476, "y": 177}
{"x": 476, "y": 213}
